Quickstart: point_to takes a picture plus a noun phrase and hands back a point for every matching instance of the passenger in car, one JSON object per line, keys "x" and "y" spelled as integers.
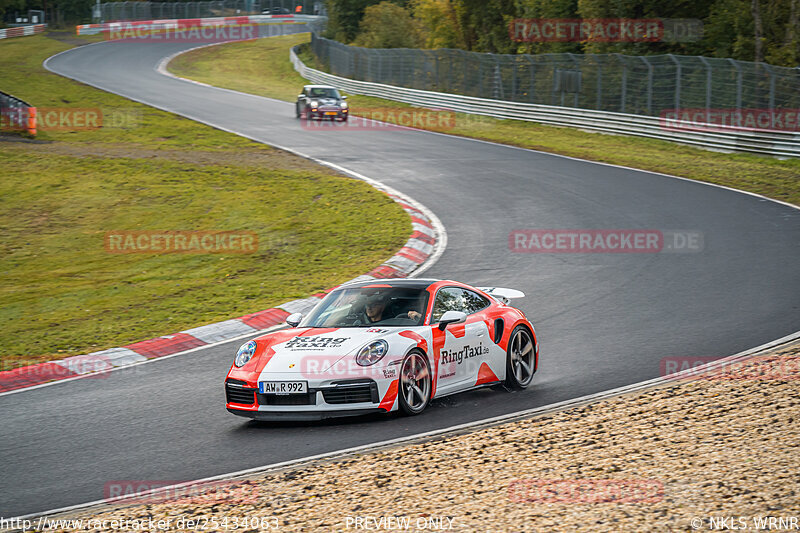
{"x": 375, "y": 306}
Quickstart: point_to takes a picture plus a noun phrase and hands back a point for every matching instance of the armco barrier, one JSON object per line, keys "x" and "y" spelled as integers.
{"x": 16, "y": 115}
{"x": 172, "y": 24}
{"x": 21, "y": 31}
{"x": 709, "y": 136}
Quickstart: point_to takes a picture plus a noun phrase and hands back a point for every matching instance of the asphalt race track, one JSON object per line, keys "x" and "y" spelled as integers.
{"x": 604, "y": 320}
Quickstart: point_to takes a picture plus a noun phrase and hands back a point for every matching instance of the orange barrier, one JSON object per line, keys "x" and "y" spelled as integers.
{"x": 32, "y": 120}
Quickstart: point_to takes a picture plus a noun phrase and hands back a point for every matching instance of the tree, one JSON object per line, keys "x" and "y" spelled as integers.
{"x": 9, "y": 7}
{"x": 387, "y": 25}
{"x": 344, "y": 17}
{"x": 556, "y": 9}
{"x": 438, "y": 23}
{"x": 758, "y": 34}
{"x": 732, "y": 30}
{"x": 484, "y": 25}
{"x": 792, "y": 43}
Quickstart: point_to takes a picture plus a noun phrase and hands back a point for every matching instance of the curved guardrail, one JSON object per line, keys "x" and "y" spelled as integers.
{"x": 21, "y": 31}
{"x": 172, "y": 24}
{"x": 16, "y": 115}
{"x": 709, "y": 136}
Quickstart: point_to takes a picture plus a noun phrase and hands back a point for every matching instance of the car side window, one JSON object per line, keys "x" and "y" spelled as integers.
{"x": 474, "y": 302}
{"x": 447, "y": 299}
{"x": 457, "y": 299}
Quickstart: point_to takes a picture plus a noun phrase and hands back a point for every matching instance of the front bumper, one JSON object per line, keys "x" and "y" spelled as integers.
{"x": 325, "y": 399}
{"x": 340, "y": 114}
{"x": 273, "y": 416}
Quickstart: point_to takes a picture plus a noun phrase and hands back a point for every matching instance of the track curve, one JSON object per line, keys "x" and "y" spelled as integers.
{"x": 604, "y": 320}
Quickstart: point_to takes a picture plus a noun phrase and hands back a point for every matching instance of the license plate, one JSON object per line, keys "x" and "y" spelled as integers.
{"x": 331, "y": 113}
{"x": 283, "y": 387}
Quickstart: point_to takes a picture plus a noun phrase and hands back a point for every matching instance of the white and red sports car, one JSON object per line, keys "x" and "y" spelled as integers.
{"x": 381, "y": 346}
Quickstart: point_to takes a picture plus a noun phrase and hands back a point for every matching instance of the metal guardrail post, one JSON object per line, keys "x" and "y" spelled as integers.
{"x": 649, "y": 84}
{"x": 480, "y": 78}
{"x": 599, "y": 104}
{"x": 677, "y": 81}
{"x": 771, "y": 87}
{"x": 770, "y": 142}
{"x": 578, "y": 69}
{"x": 624, "y": 91}
{"x": 708, "y": 87}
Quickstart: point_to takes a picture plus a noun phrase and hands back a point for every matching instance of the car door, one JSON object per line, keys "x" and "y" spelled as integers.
{"x": 465, "y": 345}
{"x": 492, "y": 364}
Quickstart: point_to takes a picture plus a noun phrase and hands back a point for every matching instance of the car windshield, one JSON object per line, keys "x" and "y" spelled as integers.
{"x": 370, "y": 306}
{"x": 323, "y": 92}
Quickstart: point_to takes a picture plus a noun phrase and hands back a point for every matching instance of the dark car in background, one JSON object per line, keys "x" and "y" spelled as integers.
{"x": 321, "y": 101}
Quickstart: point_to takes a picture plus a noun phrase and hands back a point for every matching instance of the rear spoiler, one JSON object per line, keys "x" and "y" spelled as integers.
{"x": 502, "y": 294}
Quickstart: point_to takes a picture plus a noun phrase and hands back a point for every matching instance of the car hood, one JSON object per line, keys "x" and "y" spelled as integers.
{"x": 327, "y": 101}
{"x": 316, "y": 350}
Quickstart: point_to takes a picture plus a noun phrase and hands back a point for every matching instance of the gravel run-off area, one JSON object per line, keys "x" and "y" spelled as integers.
{"x": 720, "y": 451}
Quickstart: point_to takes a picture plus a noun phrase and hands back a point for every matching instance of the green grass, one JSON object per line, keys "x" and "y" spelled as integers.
{"x": 258, "y": 67}
{"x": 262, "y": 67}
{"x": 24, "y": 77}
{"x": 62, "y": 293}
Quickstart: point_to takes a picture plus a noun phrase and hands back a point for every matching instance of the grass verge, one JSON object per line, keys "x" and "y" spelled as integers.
{"x": 262, "y": 67}
{"x": 62, "y": 294}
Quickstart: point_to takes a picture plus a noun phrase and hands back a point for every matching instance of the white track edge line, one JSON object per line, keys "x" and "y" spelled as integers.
{"x": 494, "y": 420}
{"x": 691, "y": 375}
{"x": 541, "y": 152}
{"x": 94, "y": 375}
{"x": 439, "y": 247}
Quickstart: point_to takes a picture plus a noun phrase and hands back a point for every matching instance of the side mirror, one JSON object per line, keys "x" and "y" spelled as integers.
{"x": 452, "y": 317}
{"x": 344, "y": 98}
{"x": 294, "y": 319}
{"x": 301, "y": 96}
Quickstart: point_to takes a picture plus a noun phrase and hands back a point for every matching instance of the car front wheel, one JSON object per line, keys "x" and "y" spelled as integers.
{"x": 415, "y": 383}
{"x": 520, "y": 359}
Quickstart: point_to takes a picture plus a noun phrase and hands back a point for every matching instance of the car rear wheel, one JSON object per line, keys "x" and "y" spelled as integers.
{"x": 520, "y": 359}
{"x": 415, "y": 383}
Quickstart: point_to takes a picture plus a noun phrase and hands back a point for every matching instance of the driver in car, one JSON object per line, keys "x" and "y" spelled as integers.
{"x": 375, "y": 306}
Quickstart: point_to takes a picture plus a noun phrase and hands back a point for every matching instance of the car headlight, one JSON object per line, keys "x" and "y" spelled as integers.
{"x": 245, "y": 353}
{"x": 314, "y": 103}
{"x": 372, "y": 353}
{"x": 344, "y": 105}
